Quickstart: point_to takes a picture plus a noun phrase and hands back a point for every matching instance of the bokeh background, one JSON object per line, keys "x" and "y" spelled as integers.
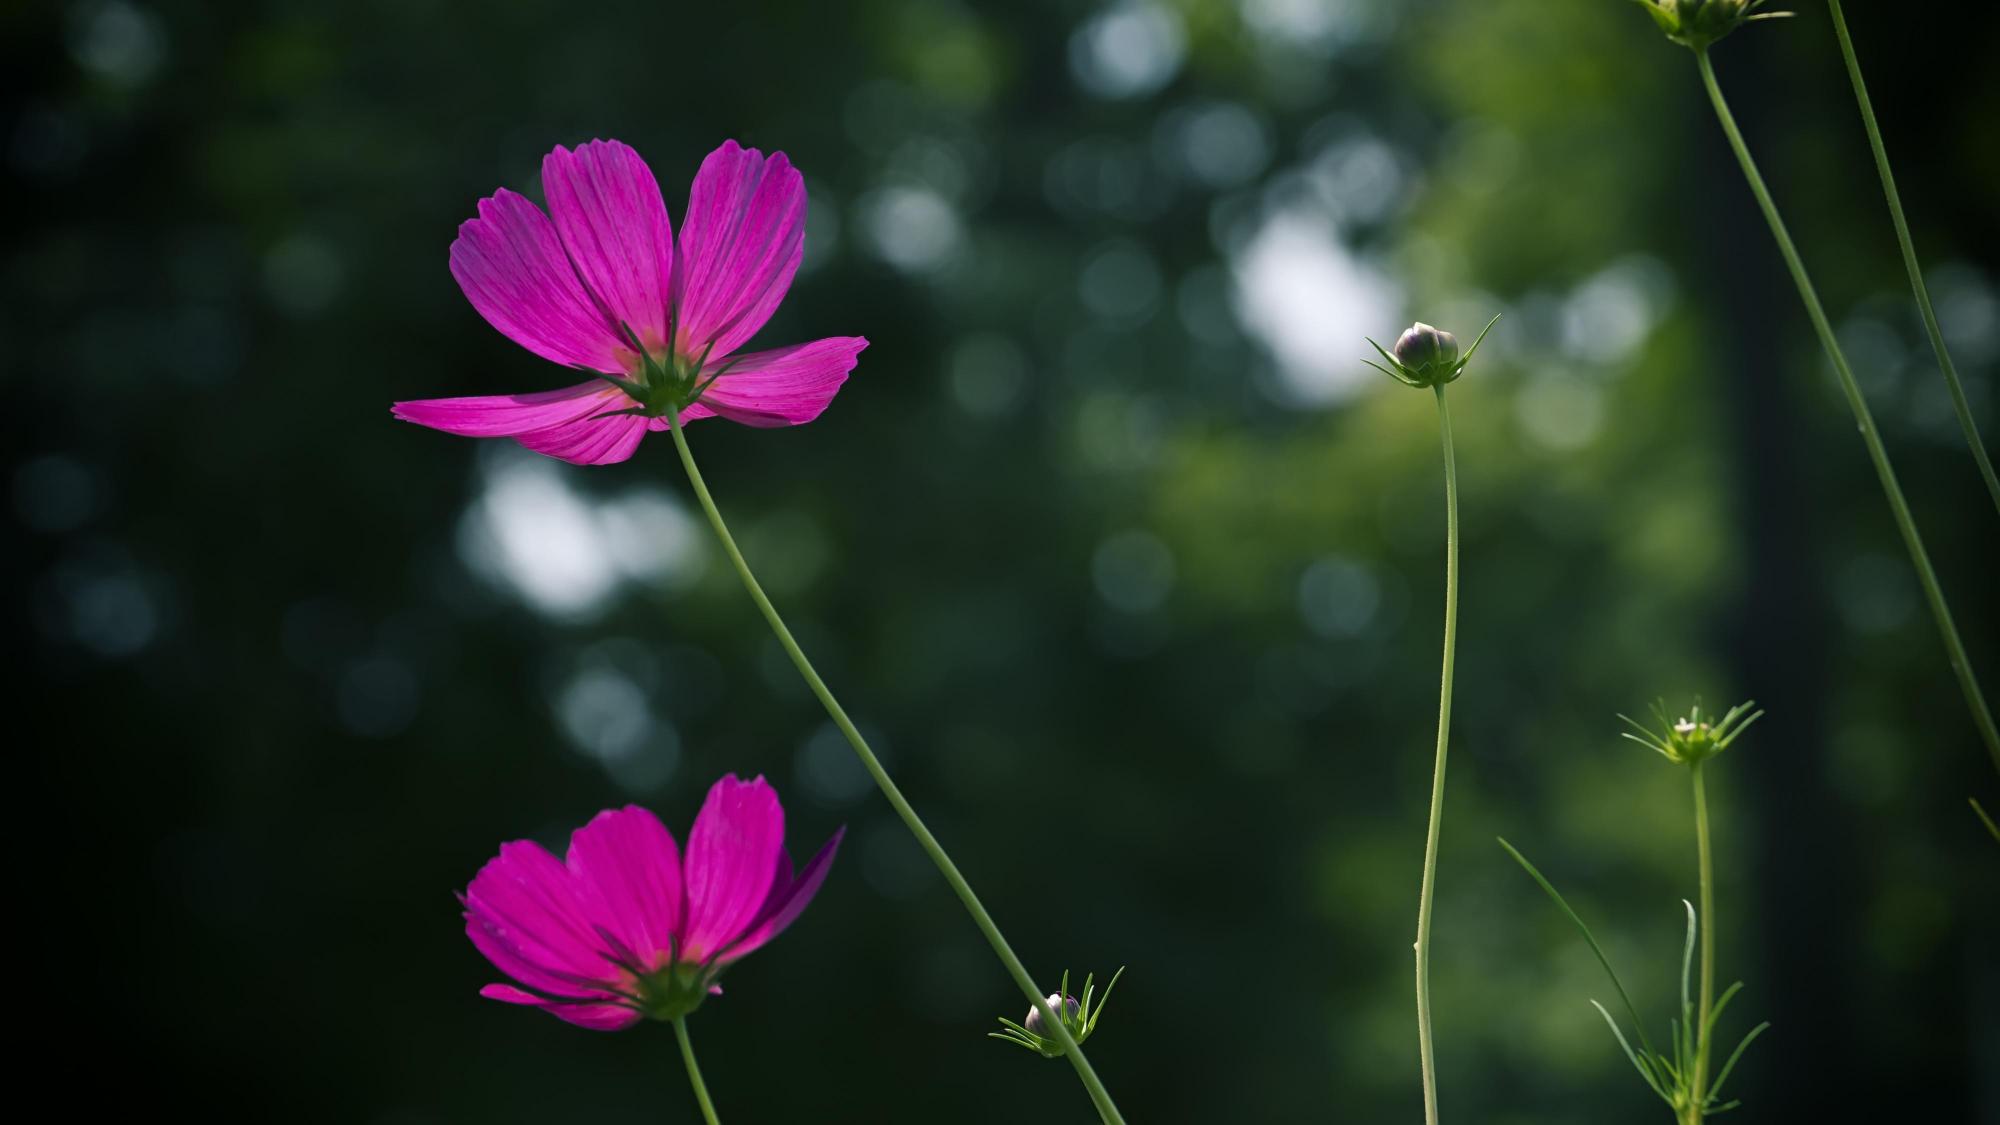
{"x": 1130, "y": 565}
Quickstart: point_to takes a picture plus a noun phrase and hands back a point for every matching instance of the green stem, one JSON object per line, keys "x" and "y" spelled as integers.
{"x": 1898, "y": 506}
{"x": 1991, "y": 828}
{"x": 1429, "y": 888}
{"x": 1958, "y": 402}
{"x": 1707, "y": 925}
{"x": 694, "y": 1071}
{"x": 1098, "y": 1095}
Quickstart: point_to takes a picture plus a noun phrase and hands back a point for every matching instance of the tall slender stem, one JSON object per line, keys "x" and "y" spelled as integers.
{"x": 1898, "y": 506}
{"x": 1098, "y": 1095}
{"x": 694, "y": 1071}
{"x": 1958, "y": 402}
{"x": 1707, "y": 926}
{"x": 1428, "y": 891}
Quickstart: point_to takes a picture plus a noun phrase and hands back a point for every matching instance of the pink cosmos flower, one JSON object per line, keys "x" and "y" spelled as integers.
{"x": 626, "y": 927}
{"x": 599, "y": 283}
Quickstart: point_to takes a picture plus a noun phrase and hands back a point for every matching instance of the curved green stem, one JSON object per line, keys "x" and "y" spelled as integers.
{"x": 694, "y": 1072}
{"x": 1098, "y": 1095}
{"x": 1429, "y": 888}
{"x": 1958, "y": 402}
{"x": 1703, "y": 1033}
{"x": 1898, "y": 506}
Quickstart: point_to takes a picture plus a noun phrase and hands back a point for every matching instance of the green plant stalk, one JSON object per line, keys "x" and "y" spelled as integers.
{"x": 1706, "y": 863}
{"x": 694, "y": 1071}
{"x": 1992, "y": 829}
{"x": 1428, "y": 890}
{"x": 1898, "y": 506}
{"x": 1098, "y": 1095}
{"x": 1958, "y": 401}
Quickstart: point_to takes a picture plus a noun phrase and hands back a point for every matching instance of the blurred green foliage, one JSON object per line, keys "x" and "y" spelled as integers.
{"x": 1131, "y": 566}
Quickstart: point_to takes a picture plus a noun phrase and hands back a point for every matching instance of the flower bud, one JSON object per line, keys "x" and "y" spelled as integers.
{"x": 1692, "y": 739}
{"x": 1697, "y": 23}
{"x": 1426, "y": 348}
{"x": 1426, "y": 356}
{"x": 1078, "y": 1017}
{"x": 1065, "y": 1008}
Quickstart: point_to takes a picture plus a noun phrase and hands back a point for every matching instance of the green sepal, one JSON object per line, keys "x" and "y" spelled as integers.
{"x": 1467, "y": 357}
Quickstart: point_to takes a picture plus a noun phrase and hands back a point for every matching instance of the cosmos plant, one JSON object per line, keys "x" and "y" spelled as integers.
{"x": 1684, "y": 1076}
{"x": 655, "y": 324}
{"x": 601, "y": 283}
{"x": 1428, "y": 358}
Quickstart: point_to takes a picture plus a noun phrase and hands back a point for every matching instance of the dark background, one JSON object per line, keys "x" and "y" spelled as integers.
{"x": 1111, "y": 541}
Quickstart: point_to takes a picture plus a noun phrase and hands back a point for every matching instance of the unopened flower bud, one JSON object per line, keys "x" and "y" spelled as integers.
{"x": 1065, "y": 1008}
{"x": 1697, "y": 23}
{"x": 1426, "y": 356}
{"x": 1078, "y": 1017}
{"x": 1424, "y": 347}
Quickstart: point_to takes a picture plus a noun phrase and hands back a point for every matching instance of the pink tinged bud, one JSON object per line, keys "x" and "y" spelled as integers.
{"x": 1426, "y": 356}
{"x": 1422, "y": 346}
{"x": 1064, "y": 1006}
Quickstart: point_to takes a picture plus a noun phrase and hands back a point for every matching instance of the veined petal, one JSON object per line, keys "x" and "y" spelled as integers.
{"x": 596, "y": 1017}
{"x": 787, "y": 899}
{"x": 608, "y": 212}
{"x": 537, "y": 923}
{"x": 513, "y": 269}
{"x": 595, "y": 438}
{"x": 732, "y": 856}
{"x": 632, "y": 860}
{"x": 506, "y": 951}
{"x": 506, "y": 415}
{"x": 784, "y": 386}
{"x": 740, "y": 244}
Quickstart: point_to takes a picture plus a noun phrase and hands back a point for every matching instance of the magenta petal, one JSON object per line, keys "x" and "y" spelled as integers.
{"x": 784, "y": 386}
{"x": 631, "y": 858}
{"x": 528, "y": 963}
{"x": 513, "y": 269}
{"x": 788, "y": 898}
{"x": 740, "y": 244}
{"x": 595, "y": 439}
{"x": 507, "y": 415}
{"x": 608, "y": 211}
{"x": 596, "y": 1017}
{"x": 537, "y": 923}
{"x": 732, "y": 857}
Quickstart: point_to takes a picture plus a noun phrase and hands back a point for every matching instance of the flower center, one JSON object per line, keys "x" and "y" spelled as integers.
{"x": 673, "y": 990}
{"x": 664, "y": 383}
